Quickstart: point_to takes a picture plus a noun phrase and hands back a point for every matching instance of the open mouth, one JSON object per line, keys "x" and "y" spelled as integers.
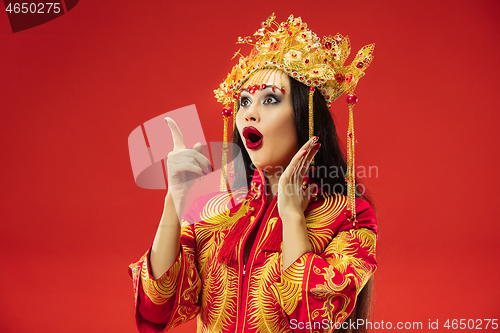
{"x": 253, "y": 138}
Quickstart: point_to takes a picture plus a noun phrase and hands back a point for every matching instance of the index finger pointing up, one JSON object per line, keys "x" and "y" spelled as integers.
{"x": 176, "y": 134}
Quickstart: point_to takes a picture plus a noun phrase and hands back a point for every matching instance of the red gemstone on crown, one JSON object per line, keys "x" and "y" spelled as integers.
{"x": 312, "y": 88}
{"x": 328, "y": 45}
{"x": 306, "y": 61}
{"x": 360, "y": 65}
{"x": 263, "y": 86}
{"x": 339, "y": 78}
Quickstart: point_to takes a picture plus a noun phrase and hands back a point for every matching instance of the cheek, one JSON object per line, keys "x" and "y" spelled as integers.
{"x": 284, "y": 126}
{"x": 285, "y": 139}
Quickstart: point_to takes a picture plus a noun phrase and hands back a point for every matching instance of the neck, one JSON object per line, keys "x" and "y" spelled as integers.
{"x": 272, "y": 185}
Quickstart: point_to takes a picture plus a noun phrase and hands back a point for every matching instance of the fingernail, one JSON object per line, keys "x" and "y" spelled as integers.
{"x": 211, "y": 168}
{"x": 313, "y": 141}
{"x": 204, "y": 172}
{"x": 316, "y": 146}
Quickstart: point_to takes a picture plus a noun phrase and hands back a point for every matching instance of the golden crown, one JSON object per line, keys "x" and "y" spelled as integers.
{"x": 294, "y": 49}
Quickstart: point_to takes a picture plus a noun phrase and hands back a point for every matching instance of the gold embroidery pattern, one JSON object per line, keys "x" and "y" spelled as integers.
{"x": 221, "y": 203}
{"x": 346, "y": 250}
{"x": 288, "y": 291}
{"x": 257, "y": 189}
{"x": 161, "y": 290}
{"x": 319, "y": 219}
{"x": 331, "y": 293}
{"x": 218, "y": 303}
{"x": 262, "y": 306}
{"x": 268, "y": 227}
{"x": 192, "y": 293}
{"x": 182, "y": 315}
{"x": 209, "y": 234}
{"x": 352, "y": 254}
{"x": 223, "y": 220}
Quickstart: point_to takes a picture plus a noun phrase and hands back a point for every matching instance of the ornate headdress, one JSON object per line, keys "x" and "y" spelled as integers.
{"x": 294, "y": 49}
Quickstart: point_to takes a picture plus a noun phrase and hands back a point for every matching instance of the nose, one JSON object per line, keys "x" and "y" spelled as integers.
{"x": 251, "y": 113}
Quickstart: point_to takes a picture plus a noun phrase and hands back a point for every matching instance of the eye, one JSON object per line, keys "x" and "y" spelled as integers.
{"x": 245, "y": 101}
{"x": 270, "y": 99}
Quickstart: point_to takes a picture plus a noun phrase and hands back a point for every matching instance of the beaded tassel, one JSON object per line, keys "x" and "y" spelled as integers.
{"x": 226, "y": 113}
{"x": 311, "y": 116}
{"x": 351, "y": 172}
{"x": 235, "y": 108}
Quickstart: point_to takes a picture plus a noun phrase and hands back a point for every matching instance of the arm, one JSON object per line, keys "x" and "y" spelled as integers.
{"x": 184, "y": 166}
{"x": 292, "y": 202}
{"x": 166, "y": 281}
{"x": 166, "y": 244}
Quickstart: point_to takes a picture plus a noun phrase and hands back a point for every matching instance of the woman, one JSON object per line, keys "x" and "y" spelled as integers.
{"x": 297, "y": 249}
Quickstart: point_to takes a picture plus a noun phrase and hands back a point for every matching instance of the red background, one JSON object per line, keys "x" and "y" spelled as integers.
{"x": 73, "y": 89}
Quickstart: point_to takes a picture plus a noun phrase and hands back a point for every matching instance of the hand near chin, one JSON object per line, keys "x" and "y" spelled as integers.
{"x": 184, "y": 166}
{"x": 292, "y": 197}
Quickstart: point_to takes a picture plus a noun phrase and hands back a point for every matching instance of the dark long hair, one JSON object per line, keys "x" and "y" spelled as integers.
{"x": 330, "y": 165}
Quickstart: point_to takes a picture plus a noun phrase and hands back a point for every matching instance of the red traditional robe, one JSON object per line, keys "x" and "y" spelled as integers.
{"x": 311, "y": 295}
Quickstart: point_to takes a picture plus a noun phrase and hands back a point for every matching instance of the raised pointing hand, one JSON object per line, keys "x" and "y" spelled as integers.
{"x": 184, "y": 165}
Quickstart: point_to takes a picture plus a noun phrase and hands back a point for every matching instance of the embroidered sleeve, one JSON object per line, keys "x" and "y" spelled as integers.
{"x": 171, "y": 300}
{"x": 159, "y": 291}
{"x": 320, "y": 289}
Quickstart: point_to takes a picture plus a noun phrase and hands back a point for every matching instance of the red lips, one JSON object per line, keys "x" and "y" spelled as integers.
{"x": 253, "y": 138}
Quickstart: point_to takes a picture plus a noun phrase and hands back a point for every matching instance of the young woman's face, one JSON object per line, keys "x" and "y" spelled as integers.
{"x": 266, "y": 122}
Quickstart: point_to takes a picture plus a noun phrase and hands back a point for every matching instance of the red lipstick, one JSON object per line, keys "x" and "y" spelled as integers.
{"x": 253, "y": 138}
